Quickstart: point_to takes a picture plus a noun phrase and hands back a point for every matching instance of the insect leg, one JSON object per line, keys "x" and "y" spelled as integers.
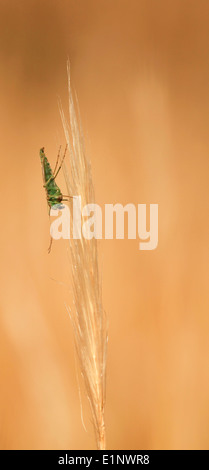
{"x": 55, "y": 175}
{"x": 58, "y": 156}
{"x": 49, "y": 181}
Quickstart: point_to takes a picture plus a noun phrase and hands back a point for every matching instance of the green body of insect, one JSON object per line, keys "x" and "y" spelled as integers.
{"x": 53, "y": 194}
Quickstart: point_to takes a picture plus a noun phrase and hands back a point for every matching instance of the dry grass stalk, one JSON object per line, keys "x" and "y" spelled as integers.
{"x": 88, "y": 318}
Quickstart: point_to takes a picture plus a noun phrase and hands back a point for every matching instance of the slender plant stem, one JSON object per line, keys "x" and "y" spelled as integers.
{"x": 88, "y": 318}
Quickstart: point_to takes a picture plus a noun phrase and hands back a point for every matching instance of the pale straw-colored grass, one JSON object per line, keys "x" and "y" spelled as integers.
{"x": 88, "y": 317}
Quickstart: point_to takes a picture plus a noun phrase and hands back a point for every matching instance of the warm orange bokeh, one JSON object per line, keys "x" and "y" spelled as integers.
{"x": 140, "y": 70}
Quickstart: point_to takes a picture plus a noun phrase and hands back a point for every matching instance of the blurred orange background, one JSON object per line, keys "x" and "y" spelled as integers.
{"x": 140, "y": 70}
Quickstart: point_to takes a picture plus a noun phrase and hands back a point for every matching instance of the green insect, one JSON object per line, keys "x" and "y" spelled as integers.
{"x": 54, "y": 195}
